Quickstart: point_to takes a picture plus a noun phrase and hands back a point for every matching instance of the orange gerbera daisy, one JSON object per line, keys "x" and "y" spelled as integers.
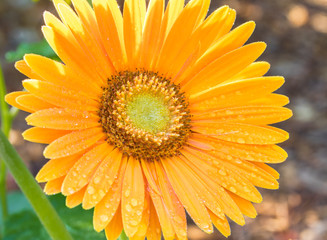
{"x": 153, "y": 112}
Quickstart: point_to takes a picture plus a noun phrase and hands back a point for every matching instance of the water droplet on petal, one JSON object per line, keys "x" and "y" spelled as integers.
{"x": 133, "y": 202}
{"x": 127, "y": 192}
{"x": 232, "y": 189}
{"x": 104, "y": 218}
{"x": 90, "y": 190}
{"x": 128, "y": 207}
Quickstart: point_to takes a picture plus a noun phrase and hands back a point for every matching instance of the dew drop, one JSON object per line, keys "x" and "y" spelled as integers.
{"x": 127, "y": 193}
{"x": 90, "y": 190}
{"x": 133, "y": 223}
{"x": 232, "y": 189}
{"x": 104, "y": 218}
{"x": 222, "y": 172}
{"x": 134, "y": 202}
{"x": 246, "y": 189}
{"x": 240, "y": 140}
{"x": 97, "y": 180}
{"x": 128, "y": 208}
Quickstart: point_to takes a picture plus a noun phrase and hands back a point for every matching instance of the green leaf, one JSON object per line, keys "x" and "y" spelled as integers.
{"x": 24, "y": 224}
{"x": 41, "y": 48}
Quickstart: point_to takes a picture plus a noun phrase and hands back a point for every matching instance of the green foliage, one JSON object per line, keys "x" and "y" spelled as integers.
{"x": 41, "y": 48}
{"x": 23, "y": 224}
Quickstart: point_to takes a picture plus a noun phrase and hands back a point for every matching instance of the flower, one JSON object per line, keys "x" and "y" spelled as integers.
{"x": 152, "y": 113}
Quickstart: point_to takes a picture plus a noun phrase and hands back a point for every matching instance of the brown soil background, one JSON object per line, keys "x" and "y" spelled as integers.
{"x": 296, "y": 34}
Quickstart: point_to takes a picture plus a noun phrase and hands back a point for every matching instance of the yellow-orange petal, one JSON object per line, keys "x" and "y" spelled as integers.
{"x": 102, "y": 179}
{"x": 268, "y": 169}
{"x": 148, "y": 169}
{"x": 22, "y": 66}
{"x": 150, "y": 36}
{"x": 29, "y": 101}
{"x": 255, "y": 153}
{"x": 110, "y": 23}
{"x": 61, "y": 75}
{"x": 134, "y": 15}
{"x": 163, "y": 215}
{"x": 256, "y": 69}
{"x": 115, "y": 226}
{"x": 258, "y": 115}
{"x": 187, "y": 195}
{"x": 154, "y": 229}
{"x": 144, "y": 224}
{"x": 10, "y": 98}
{"x": 60, "y": 96}
{"x": 80, "y": 174}
{"x": 43, "y": 135}
{"x": 87, "y": 40}
{"x": 229, "y": 65}
{"x": 234, "y": 93}
{"x": 54, "y": 186}
{"x": 106, "y": 208}
{"x": 73, "y": 143}
{"x": 221, "y": 224}
{"x": 222, "y": 175}
{"x": 245, "y": 206}
{"x": 63, "y": 119}
{"x": 272, "y": 99}
{"x": 132, "y": 197}
{"x": 56, "y": 168}
{"x": 173, "y": 205}
{"x": 179, "y": 34}
{"x": 75, "y": 199}
{"x": 241, "y": 133}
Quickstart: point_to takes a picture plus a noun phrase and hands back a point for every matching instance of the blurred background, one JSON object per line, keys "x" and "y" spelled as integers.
{"x": 296, "y": 34}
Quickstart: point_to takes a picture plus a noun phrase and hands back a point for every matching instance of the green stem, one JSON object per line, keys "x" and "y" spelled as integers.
{"x": 6, "y": 121}
{"x": 123, "y": 236}
{"x": 46, "y": 213}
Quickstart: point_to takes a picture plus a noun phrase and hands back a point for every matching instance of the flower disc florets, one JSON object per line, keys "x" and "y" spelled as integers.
{"x": 145, "y": 115}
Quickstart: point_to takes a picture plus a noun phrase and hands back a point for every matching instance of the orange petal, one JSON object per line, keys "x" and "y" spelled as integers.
{"x": 242, "y": 133}
{"x": 115, "y": 226}
{"x": 256, "y": 69}
{"x": 222, "y": 175}
{"x": 228, "y": 65}
{"x": 102, "y": 179}
{"x": 85, "y": 35}
{"x": 256, "y": 153}
{"x": 60, "y": 96}
{"x": 73, "y": 143}
{"x": 245, "y": 206}
{"x": 63, "y": 119}
{"x": 56, "y": 168}
{"x": 247, "y": 169}
{"x": 148, "y": 168}
{"x": 110, "y": 23}
{"x": 221, "y": 224}
{"x": 29, "y": 101}
{"x": 133, "y": 197}
{"x": 179, "y": 34}
{"x": 268, "y": 169}
{"x": 272, "y": 99}
{"x": 81, "y": 173}
{"x": 213, "y": 182}
{"x": 59, "y": 74}
{"x": 187, "y": 195}
{"x": 154, "y": 229}
{"x": 105, "y": 209}
{"x": 43, "y": 135}
{"x": 134, "y": 15}
{"x": 260, "y": 115}
{"x": 10, "y": 98}
{"x": 143, "y": 226}
{"x": 234, "y": 93}
{"x": 151, "y": 32}
{"x": 22, "y": 66}
{"x": 173, "y": 205}
{"x": 163, "y": 215}
{"x": 75, "y": 199}
{"x": 54, "y": 186}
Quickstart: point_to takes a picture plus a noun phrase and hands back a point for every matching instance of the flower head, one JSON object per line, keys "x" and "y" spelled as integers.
{"x": 153, "y": 112}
